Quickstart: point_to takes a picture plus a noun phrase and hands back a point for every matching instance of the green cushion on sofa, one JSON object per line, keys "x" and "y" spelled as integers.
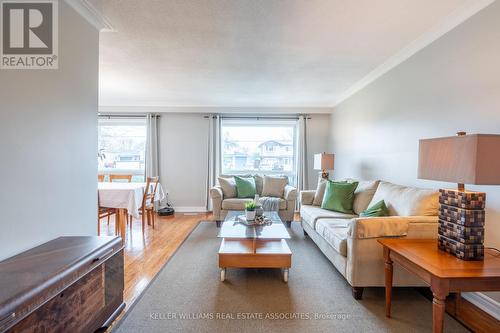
{"x": 245, "y": 187}
{"x": 378, "y": 209}
{"x": 339, "y": 196}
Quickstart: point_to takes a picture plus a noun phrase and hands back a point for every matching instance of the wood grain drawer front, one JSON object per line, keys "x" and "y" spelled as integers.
{"x": 72, "y": 310}
{"x": 255, "y": 261}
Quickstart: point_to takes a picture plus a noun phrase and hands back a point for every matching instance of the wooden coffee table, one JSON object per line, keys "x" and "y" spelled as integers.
{"x": 245, "y": 246}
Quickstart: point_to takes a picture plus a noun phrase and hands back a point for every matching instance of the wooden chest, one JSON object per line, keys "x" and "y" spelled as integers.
{"x": 70, "y": 284}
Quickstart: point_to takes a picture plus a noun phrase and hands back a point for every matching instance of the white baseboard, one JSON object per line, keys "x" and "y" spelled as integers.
{"x": 190, "y": 209}
{"x": 485, "y": 303}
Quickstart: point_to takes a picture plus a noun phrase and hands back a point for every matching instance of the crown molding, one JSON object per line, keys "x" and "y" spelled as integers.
{"x": 91, "y": 14}
{"x": 213, "y": 109}
{"x": 452, "y": 21}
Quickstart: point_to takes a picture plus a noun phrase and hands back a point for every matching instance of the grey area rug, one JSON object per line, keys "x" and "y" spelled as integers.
{"x": 188, "y": 296}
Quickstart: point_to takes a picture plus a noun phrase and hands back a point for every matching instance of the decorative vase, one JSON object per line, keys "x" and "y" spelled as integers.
{"x": 258, "y": 210}
{"x": 250, "y": 215}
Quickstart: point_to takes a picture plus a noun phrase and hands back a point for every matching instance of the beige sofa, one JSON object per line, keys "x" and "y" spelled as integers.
{"x": 221, "y": 205}
{"x": 350, "y": 242}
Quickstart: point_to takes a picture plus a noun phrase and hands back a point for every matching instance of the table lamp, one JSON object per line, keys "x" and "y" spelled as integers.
{"x": 323, "y": 162}
{"x": 462, "y": 159}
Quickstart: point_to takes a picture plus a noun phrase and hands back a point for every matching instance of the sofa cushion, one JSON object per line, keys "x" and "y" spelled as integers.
{"x": 274, "y": 186}
{"x": 320, "y": 191}
{"x": 322, "y": 223}
{"x": 235, "y": 203}
{"x": 259, "y": 183}
{"x": 407, "y": 200}
{"x": 364, "y": 195}
{"x": 334, "y": 231}
{"x": 228, "y": 187}
{"x": 310, "y": 214}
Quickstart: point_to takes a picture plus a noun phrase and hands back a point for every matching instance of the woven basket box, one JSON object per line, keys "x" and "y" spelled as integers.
{"x": 467, "y": 200}
{"x": 461, "y": 250}
{"x": 460, "y": 233}
{"x": 465, "y": 217}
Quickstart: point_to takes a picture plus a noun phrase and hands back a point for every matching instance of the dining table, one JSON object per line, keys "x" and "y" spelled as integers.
{"x": 126, "y": 199}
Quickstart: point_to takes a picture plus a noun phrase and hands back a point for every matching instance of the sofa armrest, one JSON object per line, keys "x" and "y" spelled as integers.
{"x": 216, "y": 193}
{"x": 307, "y": 197}
{"x": 387, "y": 226}
{"x": 290, "y": 193}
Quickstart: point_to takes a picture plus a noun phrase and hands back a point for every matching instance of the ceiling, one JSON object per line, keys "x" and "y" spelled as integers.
{"x": 254, "y": 53}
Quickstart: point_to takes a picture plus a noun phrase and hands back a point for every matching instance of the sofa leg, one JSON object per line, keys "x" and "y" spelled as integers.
{"x": 357, "y": 292}
{"x": 305, "y": 232}
{"x": 217, "y": 223}
{"x": 288, "y": 224}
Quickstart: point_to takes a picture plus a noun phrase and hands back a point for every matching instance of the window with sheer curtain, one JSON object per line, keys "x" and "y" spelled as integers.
{"x": 259, "y": 146}
{"x": 122, "y": 146}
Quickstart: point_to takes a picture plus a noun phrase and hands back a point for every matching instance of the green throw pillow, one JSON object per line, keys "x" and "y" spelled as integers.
{"x": 378, "y": 209}
{"x": 339, "y": 196}
{"x": 245, "y": 187}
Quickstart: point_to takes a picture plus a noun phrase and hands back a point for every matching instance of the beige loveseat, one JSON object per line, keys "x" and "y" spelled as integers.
{"x": 350, "y": 242}
{"x": 222, "y": 204}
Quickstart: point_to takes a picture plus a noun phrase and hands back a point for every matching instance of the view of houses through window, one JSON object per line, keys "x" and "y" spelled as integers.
{"x": 265, "y": 147}
{"x": 122, "y": 147}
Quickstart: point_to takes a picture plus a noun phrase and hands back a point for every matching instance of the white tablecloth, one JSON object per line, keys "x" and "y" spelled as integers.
{"x": 125, "y": 195}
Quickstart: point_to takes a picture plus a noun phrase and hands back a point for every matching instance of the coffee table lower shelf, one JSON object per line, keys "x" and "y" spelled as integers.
{"x": 254, "y": 253}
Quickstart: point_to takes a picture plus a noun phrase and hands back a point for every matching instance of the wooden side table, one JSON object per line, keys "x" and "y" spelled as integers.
{"x": 443, "y": 272}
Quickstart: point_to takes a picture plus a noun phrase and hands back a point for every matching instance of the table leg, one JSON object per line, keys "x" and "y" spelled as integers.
{"x": 438, "y": 309}
{"x": 440, "y": 289}
{"x": 388, "y": 281}
{"x": 121, "y": 215}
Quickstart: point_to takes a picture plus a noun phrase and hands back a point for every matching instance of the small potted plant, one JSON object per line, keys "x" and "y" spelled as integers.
{"x": 250, "y": 211}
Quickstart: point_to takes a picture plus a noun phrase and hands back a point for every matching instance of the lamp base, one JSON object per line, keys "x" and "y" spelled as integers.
{"x": 461, "y": 223}
{"x": 325, "y": 174}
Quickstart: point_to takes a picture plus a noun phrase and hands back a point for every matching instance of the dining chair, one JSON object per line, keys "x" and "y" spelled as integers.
{"x": 100, "y": 178}
{"x": 128, "y": 178}
{"x": 103, "y": 212}
{"x": 148, "y": 202}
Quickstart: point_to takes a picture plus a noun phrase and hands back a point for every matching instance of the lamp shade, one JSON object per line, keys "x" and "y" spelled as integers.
{"x": 323, "y": 161}
{"x": 466, "y": 159}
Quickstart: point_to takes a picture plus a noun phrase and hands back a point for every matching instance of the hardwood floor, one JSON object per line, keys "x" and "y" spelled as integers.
{"x": 145, "y": 256}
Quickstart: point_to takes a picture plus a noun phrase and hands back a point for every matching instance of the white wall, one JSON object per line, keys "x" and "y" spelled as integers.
{"x": 453, "y": 84}
{"x": 48, "y": 140}
{"x": 184, "y": 155}
{"x": 318, "y": 133}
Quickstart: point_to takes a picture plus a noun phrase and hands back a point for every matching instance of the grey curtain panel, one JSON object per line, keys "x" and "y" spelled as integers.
{"x": 214, "y": 154}
{"x": 301, "y": 167}
{"x": 152, "y": 164}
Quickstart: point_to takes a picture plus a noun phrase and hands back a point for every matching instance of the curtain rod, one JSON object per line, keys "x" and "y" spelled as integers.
{"x": 109, "y": 116}
{"x": 259, "y": 117}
